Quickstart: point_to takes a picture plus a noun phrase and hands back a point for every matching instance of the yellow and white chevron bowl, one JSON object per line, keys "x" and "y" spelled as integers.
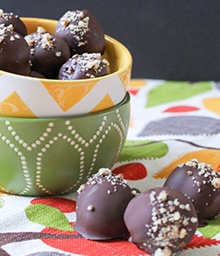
{"x": 23, "y": 96}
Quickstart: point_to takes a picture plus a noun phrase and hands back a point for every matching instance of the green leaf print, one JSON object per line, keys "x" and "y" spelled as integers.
{"x": 52, "y": 218}
{"x": 2, "y": 202}
{"x": 171, "y": 91}
{"x": 142, "y": 149}
{"x": 212, "y": 229}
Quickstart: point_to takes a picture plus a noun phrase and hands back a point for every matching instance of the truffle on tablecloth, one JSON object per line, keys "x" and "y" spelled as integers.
{"x": 100, "y": 206}
{"x": 161, "y": 221}
{"x": 201, "y": 184}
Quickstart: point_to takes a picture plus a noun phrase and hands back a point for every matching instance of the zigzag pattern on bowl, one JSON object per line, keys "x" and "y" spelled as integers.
{"x": 23, "y": 97}
{"x": 23, "y": 152}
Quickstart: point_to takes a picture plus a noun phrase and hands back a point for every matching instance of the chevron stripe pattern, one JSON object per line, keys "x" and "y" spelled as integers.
{"x": 28, "y": 97}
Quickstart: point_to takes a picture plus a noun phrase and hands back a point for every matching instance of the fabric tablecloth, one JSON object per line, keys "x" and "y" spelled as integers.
{"x": 171, "y": 123}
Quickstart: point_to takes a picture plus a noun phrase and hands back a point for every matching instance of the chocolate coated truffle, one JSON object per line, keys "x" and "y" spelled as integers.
{"x": 81, "y": 31}
{"x": 36, "y": 74}
{"x": 87, "y": 65}
{"x": 199, "y": 183}
{"x": 14, "y": 20}
{"x": 161, "y": 221}
{"x": 14, "y": 51}
{"x": 100, "y": 206}
{"x": 47, "y": 52}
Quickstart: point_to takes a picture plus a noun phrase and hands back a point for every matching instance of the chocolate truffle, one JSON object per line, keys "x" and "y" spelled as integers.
{"x": 47, "y": 52}
{"x": 87, "y": 65}
{"x": 14, "y": 20}
{"x": 36, "y": 74}
{"x": 161, "y": 221}
{"x": 100, "y": 206}
{"x": 14, "y": 51}
{"x": 81, "y": 31}
{"x": 199, "y": 183}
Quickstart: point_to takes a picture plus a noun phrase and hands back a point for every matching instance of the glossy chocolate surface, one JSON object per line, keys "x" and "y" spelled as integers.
{"x": 36, "y": 74}
{"x": 81, "y": 31}
{"x": 47, "y": 52}
{"x": 201, "y": 184}
{"x": 14, "y": 51}
{"x": 14, "y": 20}
{"x": 161, "y": 221}
{"x": 100, "y": 206}
{"x": 87, "y": 65}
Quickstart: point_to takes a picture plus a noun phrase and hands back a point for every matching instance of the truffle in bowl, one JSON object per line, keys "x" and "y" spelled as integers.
{"x": 26, "y": 96}
{"x": 48, "y": 156}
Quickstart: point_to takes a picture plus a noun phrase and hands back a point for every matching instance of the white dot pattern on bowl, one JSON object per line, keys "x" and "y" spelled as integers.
{"x": 72, "y": 137}
{"x": 23, "y": 166}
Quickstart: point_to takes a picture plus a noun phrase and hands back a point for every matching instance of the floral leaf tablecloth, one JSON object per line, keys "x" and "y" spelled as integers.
{"x": 171, "y": 122}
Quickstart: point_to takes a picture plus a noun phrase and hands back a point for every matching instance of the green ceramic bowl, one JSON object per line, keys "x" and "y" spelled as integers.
{"x": 49, "y": 156}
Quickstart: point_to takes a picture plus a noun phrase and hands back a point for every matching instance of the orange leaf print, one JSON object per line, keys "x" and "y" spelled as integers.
{"x": 212, "y": 104}
{"x": 208, "y": 156}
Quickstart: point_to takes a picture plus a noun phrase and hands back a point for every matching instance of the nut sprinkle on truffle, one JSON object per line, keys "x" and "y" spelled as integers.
{"x": 14, "y": 20}
{"x": 47, "y": 52}
{"x": 81, "y": 31}
{"x": 86, "y": 65}
{"x": 101, "y": 204}
{"x": 41, "y": 39}
{"x": 161, "y": 221}
{"x": 168, "y": 224}
{"x": 201, "y": 184}
{"x": 5, "y": 30}
{"x": 203, "y": 170}
{"x": 105, "y": 174}
{"x": 14, "y": 51}
{"x": 77, "y": 23}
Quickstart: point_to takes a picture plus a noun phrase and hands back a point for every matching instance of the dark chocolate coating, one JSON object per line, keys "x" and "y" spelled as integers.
{"x": 47, "y": 53}
{"x": 87, "y": 65}
{"x": 81, "y": 31}
{"x": 161, "y": 219}
{"x": 199, "y": 183}
{"x": 15, "y": 21}
{"x": 36, "y": 74}
{"x": 100, "y": 207}
{"x": 14, "y": 51}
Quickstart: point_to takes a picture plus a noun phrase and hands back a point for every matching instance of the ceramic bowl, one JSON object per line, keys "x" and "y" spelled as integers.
{"x": 22, "y": 96}
{"x": 48, "y": 156}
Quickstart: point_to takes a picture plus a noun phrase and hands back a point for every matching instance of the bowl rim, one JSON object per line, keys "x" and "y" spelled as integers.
{"x": 125, "y": 101}
{"x": 125, "y": 53}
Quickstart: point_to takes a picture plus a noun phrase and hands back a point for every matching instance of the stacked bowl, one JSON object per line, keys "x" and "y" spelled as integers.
{"x": 55, "y": 133}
